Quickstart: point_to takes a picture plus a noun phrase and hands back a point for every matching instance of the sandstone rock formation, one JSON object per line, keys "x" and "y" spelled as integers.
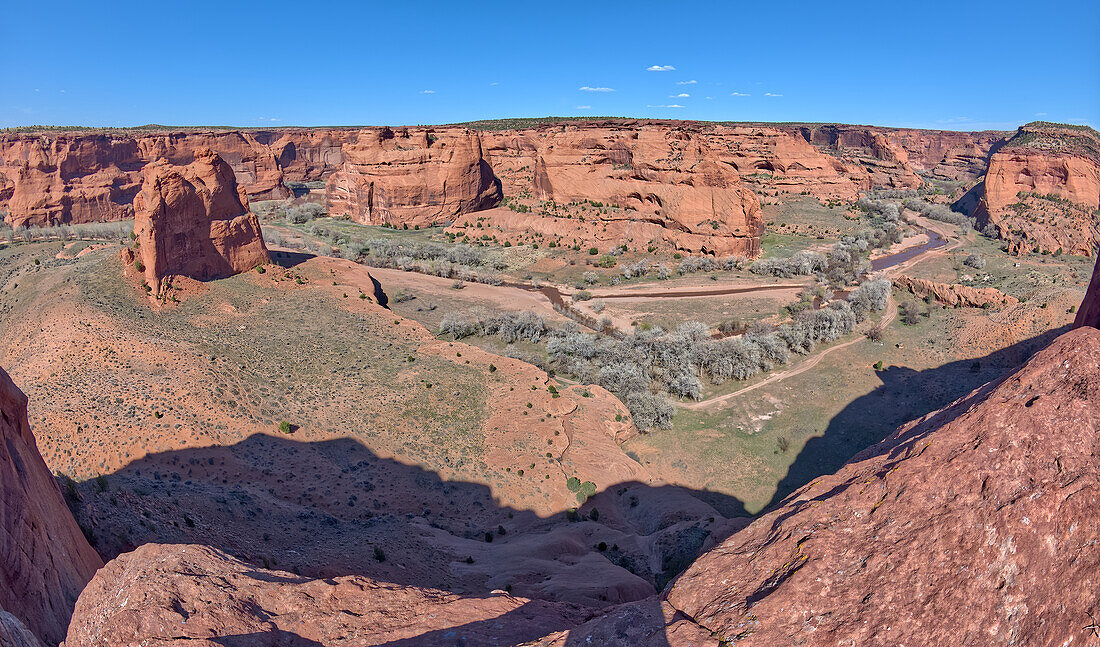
{"x": 195, "y": 595}
{"x": 1089, "y": 312}
{"x": 14, "y": 633}
{"x": 1042, "y": 190}
{"x": 414, "y": 177}
{"x": 193, "y": 221}
{"x": 955, "y": 295}
{"x": 44, "y": 559}
{"x": 988, "y": 506}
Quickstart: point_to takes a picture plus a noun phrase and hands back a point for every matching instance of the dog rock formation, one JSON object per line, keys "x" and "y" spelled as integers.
{"x": 194, "y": 221}
{"x": 44, "y": 559}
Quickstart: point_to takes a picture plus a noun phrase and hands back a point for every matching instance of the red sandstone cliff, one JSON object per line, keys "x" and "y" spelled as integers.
{"x": 412, "y": 176}
{"x": 44, "y": 559}
{"x": 1042, "y": 189}
{"x": 194, "y": 221}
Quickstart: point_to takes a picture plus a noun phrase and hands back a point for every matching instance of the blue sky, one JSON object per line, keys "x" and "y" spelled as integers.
{"x": 953, "y": 65}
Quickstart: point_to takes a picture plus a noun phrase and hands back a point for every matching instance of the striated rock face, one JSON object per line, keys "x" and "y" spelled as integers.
{"x": 195, "y": 595}
{"x": 14, "y": 633}
{"x": 1042, "y": 190}
{"x": 955, "y": 295}
{"x": 44, "y": 559}
{"x": 644, "y": 182}
{"x": 193, "y": 221}
{"x": 413, "y": 177}
{"x": 68, "y": 178}
{"x": 988, "y": 506}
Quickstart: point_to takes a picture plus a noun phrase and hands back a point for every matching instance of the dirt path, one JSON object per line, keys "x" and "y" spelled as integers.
{"x": 891, "y": 313}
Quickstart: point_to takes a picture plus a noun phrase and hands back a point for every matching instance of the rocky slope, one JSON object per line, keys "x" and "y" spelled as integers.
{"x": 44, "y": 559}
{"x": 1042, "y": 189}
{"x": 194, "y": 221}
{"x": 988, "y": 505}
{"x": 414, "y": 177}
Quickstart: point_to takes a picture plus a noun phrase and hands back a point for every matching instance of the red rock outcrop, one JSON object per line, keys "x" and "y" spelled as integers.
{"x": 1042, "y": 190}
{"x": 955, "y": 295}
{"x": 44, "y": 559}
{"x": 194, "y": 221}
{"x": 1089, "y": 312}
{"x": 946, "y": 154}
{"x": 419, "y": 176}
{"x": 195, "y": 595}
{"x": 973, "y": 525}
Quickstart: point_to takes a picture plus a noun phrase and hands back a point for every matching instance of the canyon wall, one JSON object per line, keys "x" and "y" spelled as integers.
{"x": 44, "y": 559}
{"x": 1042, "y": 190}
{"x": 690, "y": 185}
{"x": 194, "y": 221}
{"x": 414, "y": 177}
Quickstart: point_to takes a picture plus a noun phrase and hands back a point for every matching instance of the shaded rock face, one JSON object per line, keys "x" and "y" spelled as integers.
{"x": 193, "y": 221}
{"x": 44, "y": 559}
{"x": 1089, "y": 313}
{"x": 955, "y": 295}
{"x": 195, "y": 595}
{"x": 414, "y": 177}
{"x": 1042, "y": 190}
{"x": 973, "y": 525}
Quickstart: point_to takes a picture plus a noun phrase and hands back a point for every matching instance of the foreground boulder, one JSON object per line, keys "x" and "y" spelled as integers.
{"x": 974, "y": 525}
{"x": 44, "y": 559}
{"x": 194, "y": 221}
{"x": 201, "y": 597}
{"x": 1089, "y": 313}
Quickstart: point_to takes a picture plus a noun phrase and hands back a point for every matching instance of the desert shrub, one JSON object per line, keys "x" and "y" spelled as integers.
{"x": 590, "y": 278}
{"x": 582, "y": 295}
{"x": 650, "y": 411}
{"x": 937, "y": 212}
{"x": 803, "y": 263}
{"x": 870, "y": 296}
{"x": 641, "y": 268}
{"x": 974, "y": 260}
{"x": 697, "y": 264}
{"x": 685, "y": 385}
{"x": 303, "y": 213}
{"x": 597, "y": 306}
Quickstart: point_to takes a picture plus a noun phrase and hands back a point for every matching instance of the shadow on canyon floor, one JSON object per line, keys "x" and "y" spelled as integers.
{"x": 333, "y": 507}
{"x": 905, "y": 394}
{"x": 290, "y": 259}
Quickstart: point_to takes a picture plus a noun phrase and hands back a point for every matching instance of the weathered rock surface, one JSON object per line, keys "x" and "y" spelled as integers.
{"x": 1042, "y": 190}
{"x": 14, "y": 633}
{"x": 1089, "y": 312}
{"x": 196, "y": 595}
{"x": 974, "y": 525}
{"x": 412, "y": 177}
{"x": 955, "y": 295}
{"x": 193, "y": 221}
{"x": 44, "y": 559}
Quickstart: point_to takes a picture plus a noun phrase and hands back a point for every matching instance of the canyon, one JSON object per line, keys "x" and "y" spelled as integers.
{"x": 692, "y": 186}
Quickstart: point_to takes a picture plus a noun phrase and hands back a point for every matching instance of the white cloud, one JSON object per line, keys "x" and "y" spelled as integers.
{"x": 584, "y": 107}
{"x": 739, "y": 94}
{"x": 709, "y": 98}
{"x": 495, "y": 83}
{"x": 1037, "y": 114}
{"x": 268, "y": 119}
{"x": 588, "y": 88}
{"x": 660, "y": 68}
{"x": 772, "y": 94}
{"x": 682, "y": 95}
{"x": 671, "y": 105}
{"x": 691, "y": 82}
{"x": 427, "y": 92}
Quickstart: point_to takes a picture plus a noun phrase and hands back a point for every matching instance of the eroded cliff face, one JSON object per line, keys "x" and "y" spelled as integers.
{"x": 194, "y": 221}
{"x": 44, "y": 559}
{"x": 988, "y": 506}
{"x": 1042, "y": 190}
{"x": 414, "y": 177}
